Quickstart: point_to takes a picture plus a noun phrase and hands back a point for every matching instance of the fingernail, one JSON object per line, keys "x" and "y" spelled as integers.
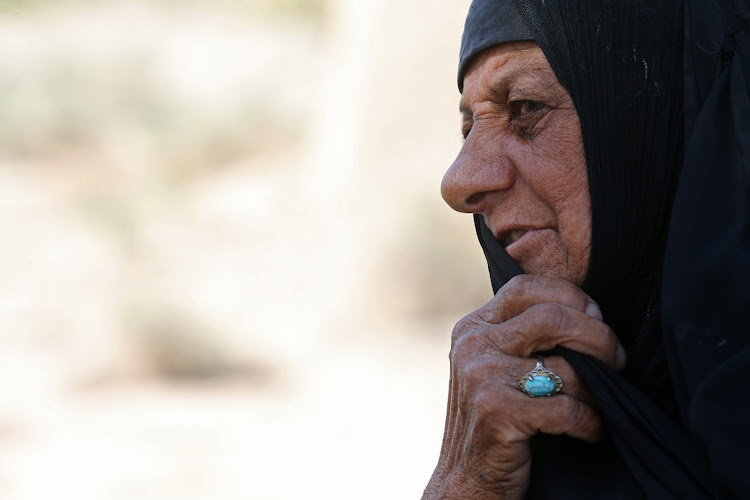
{"x": 621, "y": 357}
{"x": 592, "y": 309}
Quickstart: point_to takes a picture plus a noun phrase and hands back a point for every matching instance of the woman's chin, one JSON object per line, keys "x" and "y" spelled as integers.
{"x": 541, "y": 252}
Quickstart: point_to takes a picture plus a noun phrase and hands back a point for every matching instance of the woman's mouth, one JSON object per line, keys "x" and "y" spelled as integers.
{"x": 513, "y": 236}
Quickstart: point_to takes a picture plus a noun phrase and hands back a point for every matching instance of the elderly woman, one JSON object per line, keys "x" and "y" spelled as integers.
{"x": 607, "y": 164}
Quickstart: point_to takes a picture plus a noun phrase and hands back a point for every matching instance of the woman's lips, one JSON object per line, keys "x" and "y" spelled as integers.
{"x": 513, "y": 236}
{"x": 519, "y": 241}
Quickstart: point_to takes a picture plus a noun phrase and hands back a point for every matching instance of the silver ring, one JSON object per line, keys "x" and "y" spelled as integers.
{"x": 540, "y": 382}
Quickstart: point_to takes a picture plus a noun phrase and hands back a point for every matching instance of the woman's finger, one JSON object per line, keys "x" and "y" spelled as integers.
{"x": 566, "y": 415}
{"x": 489, "y": 369}
{"x": 490, "y": 420}
{"x": 572, "y": 384}
{"x": 541, "y": 327}
{"x": 515, "y": 417}
{"x": 525, "y": 290}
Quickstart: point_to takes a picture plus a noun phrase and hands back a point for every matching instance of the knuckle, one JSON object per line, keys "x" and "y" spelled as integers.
{"x": 456, "y": 354}
{"x": 474, "y": 378}
{"x": 550, "y": 315}
{"x": 465, "y": 326}
{"x": 518, "y": 286}
{"x": 459, "y": 330}
{"x": 510, "y": 298}
{"x": 466, "y": 347}
{"x": 518, "y": 281}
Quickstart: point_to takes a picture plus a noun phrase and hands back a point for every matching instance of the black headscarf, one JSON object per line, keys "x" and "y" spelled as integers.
{"x": 661, "y": 90}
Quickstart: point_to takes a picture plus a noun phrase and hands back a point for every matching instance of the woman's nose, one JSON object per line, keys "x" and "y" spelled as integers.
{"x": 475, "y": 176}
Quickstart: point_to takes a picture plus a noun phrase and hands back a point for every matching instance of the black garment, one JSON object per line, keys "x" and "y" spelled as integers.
{"x": 482, "y": 30}
{"x": 675, "y": 416}
{"x": 706, "y": 297}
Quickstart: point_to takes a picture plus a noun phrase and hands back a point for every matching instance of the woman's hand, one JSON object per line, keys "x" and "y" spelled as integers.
{"x": 485, "y": 452}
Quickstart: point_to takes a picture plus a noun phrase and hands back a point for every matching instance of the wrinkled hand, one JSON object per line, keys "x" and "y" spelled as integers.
{"x": 485, "y": 452}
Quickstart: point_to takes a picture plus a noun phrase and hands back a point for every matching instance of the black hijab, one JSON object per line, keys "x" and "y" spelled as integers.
{"x": 663, "y": 266}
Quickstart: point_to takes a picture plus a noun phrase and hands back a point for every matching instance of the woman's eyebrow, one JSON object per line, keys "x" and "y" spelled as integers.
{"x": 537, "y": 79}
{"x": 497, "y": 88}
{"x": 494, "y": 90}
{"x": 464, "y": 109}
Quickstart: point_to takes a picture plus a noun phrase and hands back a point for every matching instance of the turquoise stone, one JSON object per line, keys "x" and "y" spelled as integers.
{"x": 539, "y": 386}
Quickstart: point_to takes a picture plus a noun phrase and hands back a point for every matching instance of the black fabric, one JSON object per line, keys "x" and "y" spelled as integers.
{"x": 670, "y": 271}
{"x": 489, "y": 24}
{"x": 706, "y": 297}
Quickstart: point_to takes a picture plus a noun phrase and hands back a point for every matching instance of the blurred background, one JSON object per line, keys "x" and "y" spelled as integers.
{"x": 226, "y": 271}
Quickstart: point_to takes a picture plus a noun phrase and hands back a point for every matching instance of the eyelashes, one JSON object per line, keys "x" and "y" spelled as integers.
{"x": 521, "y": 110}
{"x": 523, "y": 116}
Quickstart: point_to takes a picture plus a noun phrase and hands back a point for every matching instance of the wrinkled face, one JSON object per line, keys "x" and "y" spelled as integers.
{"x": 522, "y": 165}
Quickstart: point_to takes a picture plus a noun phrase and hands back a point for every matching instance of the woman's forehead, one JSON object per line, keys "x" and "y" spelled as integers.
{"x": 498, "y": 68}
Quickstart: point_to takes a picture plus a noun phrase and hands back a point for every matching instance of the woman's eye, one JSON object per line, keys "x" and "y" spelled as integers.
{"x": 524, "y": 109}
{"x": 525, "y": 116}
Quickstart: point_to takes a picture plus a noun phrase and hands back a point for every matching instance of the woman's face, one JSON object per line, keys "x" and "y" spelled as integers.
{"x": 522, "y": 165}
